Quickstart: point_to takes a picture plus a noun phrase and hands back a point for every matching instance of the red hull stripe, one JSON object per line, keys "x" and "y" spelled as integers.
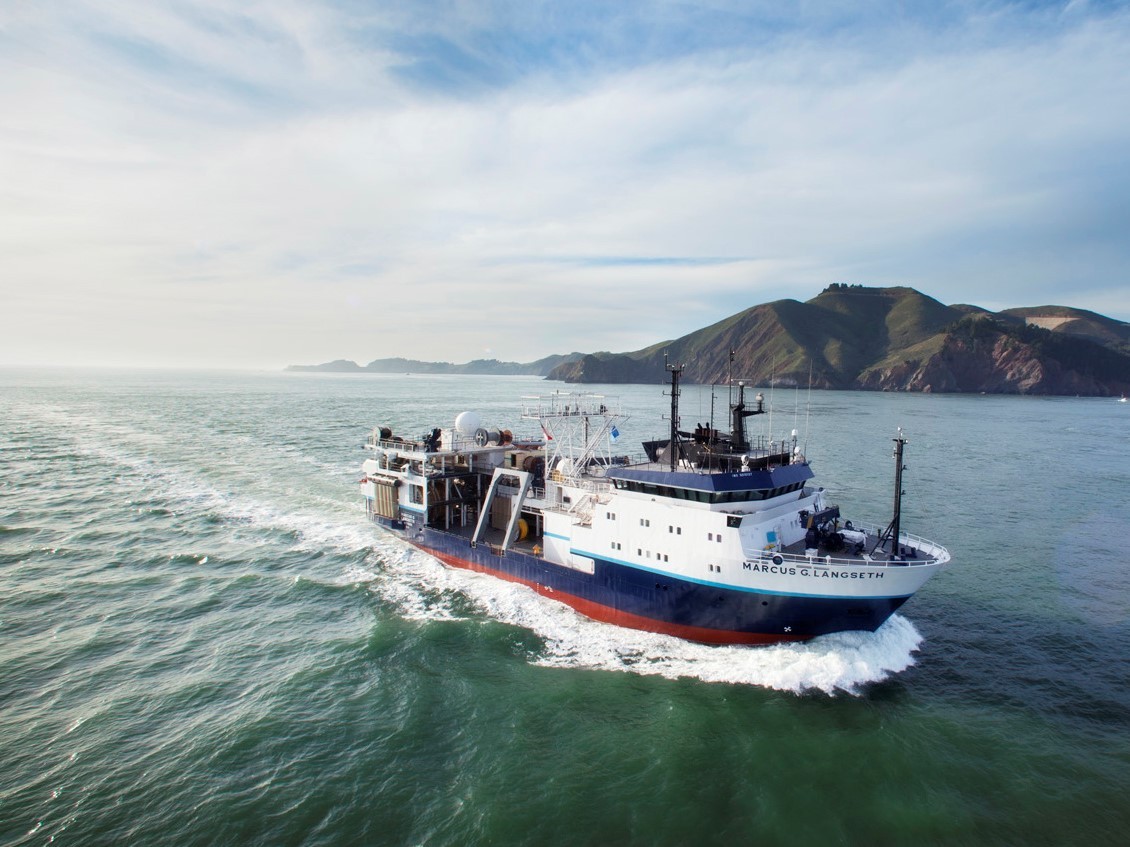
{"x": 607, "y": 614}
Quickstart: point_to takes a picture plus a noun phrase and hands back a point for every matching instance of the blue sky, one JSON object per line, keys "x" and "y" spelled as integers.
{"x": 254, "y": 184}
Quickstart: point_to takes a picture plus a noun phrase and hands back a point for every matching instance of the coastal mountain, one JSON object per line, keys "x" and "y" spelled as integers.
{"x": 855, "y": 337}
{"x": 890, "y": 339}
{"x": 494, "y": 367}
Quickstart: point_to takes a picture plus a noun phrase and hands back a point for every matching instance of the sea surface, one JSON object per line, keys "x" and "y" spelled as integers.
{"x": 203, "y": 641}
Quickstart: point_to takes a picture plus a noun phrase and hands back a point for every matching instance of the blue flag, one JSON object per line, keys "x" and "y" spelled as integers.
{"x": 615, "y": 434}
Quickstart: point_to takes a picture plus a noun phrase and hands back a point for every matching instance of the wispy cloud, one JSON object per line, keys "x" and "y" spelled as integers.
{"x": 220, "y": 182}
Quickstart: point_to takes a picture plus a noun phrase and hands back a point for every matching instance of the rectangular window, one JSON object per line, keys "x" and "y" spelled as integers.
{"x": 710, "y": 536}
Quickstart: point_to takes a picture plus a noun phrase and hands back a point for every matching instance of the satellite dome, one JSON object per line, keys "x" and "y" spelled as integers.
{"x": 467, "y": 423}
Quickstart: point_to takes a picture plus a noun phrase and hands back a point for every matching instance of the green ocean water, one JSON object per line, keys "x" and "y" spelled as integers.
{"x": 202, "y": 640}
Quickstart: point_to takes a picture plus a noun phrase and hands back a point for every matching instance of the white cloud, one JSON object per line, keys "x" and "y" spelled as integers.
{"x": 207, "y": 185}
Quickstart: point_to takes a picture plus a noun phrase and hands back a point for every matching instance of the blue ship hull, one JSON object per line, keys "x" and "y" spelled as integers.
{"x": 628, "y": 596}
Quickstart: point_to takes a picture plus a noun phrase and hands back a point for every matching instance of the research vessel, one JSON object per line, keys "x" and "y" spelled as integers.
{"x": 708, "y": 535}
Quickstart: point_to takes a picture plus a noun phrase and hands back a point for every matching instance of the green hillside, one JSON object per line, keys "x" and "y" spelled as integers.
{"x": 888, "y": 339}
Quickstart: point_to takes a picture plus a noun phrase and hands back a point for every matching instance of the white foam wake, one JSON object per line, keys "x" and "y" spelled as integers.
{"x": 418, "y": 585}
{"x": 231, "y": 485}
{"x": 831, "y": 663}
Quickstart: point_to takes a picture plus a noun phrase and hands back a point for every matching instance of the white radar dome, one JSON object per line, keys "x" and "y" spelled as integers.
{"x": 467, "y": 423}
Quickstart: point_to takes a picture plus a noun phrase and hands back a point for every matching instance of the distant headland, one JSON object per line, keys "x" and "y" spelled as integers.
{"x": 855, "y": 337}
{"x": 542, "y": 367}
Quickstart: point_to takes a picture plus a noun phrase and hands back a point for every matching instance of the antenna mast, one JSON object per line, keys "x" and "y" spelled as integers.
{"x": 730, "y": 380}
{"x": 673, "y": 449}
{"x": 893, "y": 529}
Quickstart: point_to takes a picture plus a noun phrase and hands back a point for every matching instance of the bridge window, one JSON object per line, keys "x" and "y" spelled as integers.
{"x": 714, "y": 497}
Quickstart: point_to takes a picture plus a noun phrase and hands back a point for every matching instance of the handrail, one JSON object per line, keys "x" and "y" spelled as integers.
{"x": 934, "y": 553}
{"x": 395, "y": 444}
{"x": 908, "y": 539}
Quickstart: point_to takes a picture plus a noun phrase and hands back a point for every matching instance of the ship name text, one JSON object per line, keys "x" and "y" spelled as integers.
{"x": 804, "y": 570}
